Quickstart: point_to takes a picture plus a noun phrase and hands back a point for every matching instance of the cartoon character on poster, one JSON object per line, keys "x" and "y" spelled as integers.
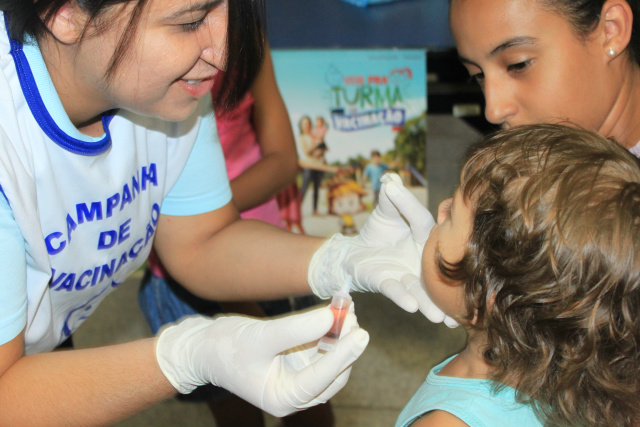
{"x": 345, "y": 200}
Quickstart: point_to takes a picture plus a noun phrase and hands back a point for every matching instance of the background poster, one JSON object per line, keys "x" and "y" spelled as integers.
{"x": 344, "y": 105}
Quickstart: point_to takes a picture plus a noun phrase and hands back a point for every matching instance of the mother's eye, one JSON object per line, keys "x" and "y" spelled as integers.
{"x": 520, "y": 66}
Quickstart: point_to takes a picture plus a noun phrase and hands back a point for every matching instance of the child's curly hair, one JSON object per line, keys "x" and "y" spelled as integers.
{"x": 552, "y": 270}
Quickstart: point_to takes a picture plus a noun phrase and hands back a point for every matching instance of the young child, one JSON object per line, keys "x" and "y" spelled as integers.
{"x": 538, "y": 257}
{"x": 318, "y": 133}
{"x": 373, "y": 171}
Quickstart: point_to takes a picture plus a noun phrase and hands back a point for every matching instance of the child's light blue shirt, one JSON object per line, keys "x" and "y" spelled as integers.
{"x": 471, "y": 400}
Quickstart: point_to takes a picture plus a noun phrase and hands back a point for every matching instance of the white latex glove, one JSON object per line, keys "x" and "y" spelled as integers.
{"x": 385, "y": 257}
{"x": 256, "y": 359}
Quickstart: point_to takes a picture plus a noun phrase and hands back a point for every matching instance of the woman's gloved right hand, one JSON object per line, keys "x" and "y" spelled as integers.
{"x": 268, "y": 363}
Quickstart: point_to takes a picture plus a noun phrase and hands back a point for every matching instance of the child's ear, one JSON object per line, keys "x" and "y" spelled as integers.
{"x": 474, "y": 321}
{"x": 68, "y": 23}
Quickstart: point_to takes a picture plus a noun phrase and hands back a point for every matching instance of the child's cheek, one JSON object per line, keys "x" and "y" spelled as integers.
{"x": 429, "y": 266}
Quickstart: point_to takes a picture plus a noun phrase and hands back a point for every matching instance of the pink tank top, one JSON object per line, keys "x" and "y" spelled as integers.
{"x": 241, "y": 150}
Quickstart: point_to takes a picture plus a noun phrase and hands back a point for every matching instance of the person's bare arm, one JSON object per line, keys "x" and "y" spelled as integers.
{"x": 278, "y": 166}
{"x": 88, "y": 387}
{"x": 217, "y": 256}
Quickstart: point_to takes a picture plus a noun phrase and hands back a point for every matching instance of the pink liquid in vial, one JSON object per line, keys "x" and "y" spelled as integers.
{"x": 339, "y": 309}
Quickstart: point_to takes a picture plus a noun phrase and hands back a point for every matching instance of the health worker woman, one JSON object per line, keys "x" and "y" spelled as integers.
{"x": 548, "y": 61}
{"x": 108, "y": 146}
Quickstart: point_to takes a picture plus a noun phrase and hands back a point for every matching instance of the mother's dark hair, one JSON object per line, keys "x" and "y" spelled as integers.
{"x": 245, "y": 36}
{"x": 584, "y": 16}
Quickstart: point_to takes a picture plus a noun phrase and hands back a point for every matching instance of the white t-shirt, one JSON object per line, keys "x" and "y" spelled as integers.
{"x": 78, "y": 214}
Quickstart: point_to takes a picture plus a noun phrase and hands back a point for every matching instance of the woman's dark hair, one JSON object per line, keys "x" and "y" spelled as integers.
{"x": 552, "y": 270}
{"x": 584, "y": 16}
{"x": 245, "y": 50}
{"x": 245, "y": 36}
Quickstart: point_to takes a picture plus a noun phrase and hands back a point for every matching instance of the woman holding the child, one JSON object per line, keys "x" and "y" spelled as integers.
{"x": 312, "y": 162}
{"x": 546, "y": 216}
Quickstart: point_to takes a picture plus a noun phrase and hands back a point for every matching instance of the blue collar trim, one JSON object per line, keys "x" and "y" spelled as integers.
{"x": 42, "y": 116}
{"x": 5, "y": 196}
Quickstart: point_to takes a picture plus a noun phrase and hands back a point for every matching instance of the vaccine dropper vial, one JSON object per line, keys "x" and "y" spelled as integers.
{"x": 340, "y": 307}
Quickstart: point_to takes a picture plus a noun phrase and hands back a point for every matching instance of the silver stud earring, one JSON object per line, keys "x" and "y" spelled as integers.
{"x": 611, "y": 52}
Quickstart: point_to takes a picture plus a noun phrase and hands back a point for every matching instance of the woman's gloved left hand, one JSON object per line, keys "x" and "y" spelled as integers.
{"x": 272, "y": 364}
{"x": 385, "y": 257}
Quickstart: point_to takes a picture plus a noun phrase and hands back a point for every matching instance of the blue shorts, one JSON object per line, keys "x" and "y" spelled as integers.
{"x": 165, "y": 301}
